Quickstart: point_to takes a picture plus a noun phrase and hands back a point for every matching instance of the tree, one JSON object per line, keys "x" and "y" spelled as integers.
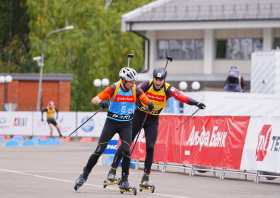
{"x": 14, "y": 41}
{"x": 96, "y": 48}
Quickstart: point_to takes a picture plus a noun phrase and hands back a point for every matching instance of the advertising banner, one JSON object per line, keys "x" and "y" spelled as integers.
{"x": 161, "y": 146}
{"x": 94, "y": 126}
{"x": 19, "y": 123}
{"x": 262, "y": 148}
{"x": 111, "y": 147}
{"x": 216, "y": 141}
{"x": 213, "y": 140}
{"x": 66, "y": 122}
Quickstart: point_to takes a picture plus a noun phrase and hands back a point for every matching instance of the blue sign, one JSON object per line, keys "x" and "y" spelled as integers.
{"x": 89, "y": 125}
{"x": 111, "y": 147}
{"x": 174, "y": 106}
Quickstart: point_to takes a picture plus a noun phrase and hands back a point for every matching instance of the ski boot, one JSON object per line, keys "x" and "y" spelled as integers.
{"x": 81, "y": 180}
{"x": 111, "y": 178}
{"x": 125, "y": 187}
{"x": 145, "y": 183}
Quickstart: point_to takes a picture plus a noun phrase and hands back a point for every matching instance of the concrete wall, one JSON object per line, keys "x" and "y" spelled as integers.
{"x": 179, "y": 67}
{"x": 238, "y": 33}
{"x": 277, "y": 32}
{"x": 222, "y": 66}
{"x": 180, "y": 34}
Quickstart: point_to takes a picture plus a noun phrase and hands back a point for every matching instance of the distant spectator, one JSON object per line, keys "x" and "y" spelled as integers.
{"x": 234, "y": 82}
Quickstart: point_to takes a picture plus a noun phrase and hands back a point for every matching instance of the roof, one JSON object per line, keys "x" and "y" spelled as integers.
{"x": 205, "y": 10}
{"x": 35, "y": 77}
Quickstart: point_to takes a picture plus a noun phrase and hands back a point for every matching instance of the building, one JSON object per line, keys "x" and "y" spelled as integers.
{"x": 23, "y": 91}
{"x": 205, "y": 38}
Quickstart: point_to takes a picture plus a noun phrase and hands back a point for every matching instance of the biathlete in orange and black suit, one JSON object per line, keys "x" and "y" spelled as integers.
{"x": 158, "y": 91}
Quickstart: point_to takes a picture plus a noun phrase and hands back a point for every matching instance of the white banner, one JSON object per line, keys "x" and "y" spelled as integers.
{"x": 66, "y": 122}
{"x": 94, "y": 126}
{"x": 235, "y": 104}
{"x": 19, "y": 123}
{"x": 262, "y": 145}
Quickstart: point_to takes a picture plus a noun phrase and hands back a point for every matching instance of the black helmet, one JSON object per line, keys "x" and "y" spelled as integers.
{"x": 160, "y": 73}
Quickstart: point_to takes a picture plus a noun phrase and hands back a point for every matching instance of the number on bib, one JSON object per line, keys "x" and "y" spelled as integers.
{"x": 123, "y": 109}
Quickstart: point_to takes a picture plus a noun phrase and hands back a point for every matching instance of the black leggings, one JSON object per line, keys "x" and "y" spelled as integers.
{"x": 111, "y": 127}
{"x": 151, "y": 133}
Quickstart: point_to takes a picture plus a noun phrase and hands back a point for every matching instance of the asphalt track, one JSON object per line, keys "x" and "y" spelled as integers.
{"x": 50, "y": 171}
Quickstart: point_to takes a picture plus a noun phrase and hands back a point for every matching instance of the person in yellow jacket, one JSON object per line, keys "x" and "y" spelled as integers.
{"x": 51, "y": 109}
{"x": 158, "y": 91}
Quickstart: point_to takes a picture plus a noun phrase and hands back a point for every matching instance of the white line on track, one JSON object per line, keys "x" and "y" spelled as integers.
{"x": 77, "y": 172}
{"x": 50, "y": 178}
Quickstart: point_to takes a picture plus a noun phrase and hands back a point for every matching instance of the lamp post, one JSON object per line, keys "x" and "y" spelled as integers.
{"x": 41, "y": 63}
{"x": 5, "y": 81}
{"x": 195, "y": 86}
{"x": 101, "y": 83}
{"x": 183, "y": 85}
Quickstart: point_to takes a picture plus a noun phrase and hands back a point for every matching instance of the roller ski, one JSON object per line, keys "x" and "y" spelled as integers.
{"x": 81, "y": 180}
{"x": 125, "y": 187}
{"x": 145, "y": 183}
{"x": 111, "y": 178}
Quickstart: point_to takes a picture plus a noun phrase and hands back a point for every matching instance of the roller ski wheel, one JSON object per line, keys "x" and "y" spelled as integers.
{"x": 108, "y": 183}
{"x": 147, "y": 187}
{"x": 145, "y": 183}
{"x": 76, "y": 187}
{"x": 125, "y": 187}
{"x": 130, "y": 190}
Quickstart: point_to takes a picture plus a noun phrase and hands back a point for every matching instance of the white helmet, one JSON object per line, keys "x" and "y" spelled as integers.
{"x": 128, "y": 74}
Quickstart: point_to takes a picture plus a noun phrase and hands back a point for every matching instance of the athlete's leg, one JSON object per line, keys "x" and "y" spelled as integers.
{"x": 151, "y": 133}
{"x": 126, "y": 139}
{"x": 109, "y": 130}
{"x": 51, "y": 127}
{"x": 58, "y": 129}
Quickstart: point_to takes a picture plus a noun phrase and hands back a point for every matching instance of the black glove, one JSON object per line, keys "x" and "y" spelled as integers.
{"x": 201, "y": 105}
{"x": 104, "y": 104}
{"x": 150, "y": 105}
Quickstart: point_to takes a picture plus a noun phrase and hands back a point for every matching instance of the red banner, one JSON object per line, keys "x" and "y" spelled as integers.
{"x": 204, "y": 140}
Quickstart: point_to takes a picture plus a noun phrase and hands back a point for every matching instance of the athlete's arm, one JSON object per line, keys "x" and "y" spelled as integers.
{"x": 108, "y": 92}
{"x": 45, "y": 110}
{"x": 173, "y": 92}
{"x": 56, "y": 112}
{"x": 140, "y": 95}
{"x": 96, "y": 100}
{"x": 144, "y": 86}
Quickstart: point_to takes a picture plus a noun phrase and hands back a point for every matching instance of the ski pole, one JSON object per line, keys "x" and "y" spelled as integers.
{"x": 135, "y": 142}
{"x": 85, "y": 122}
{"x": 188, "y": 119}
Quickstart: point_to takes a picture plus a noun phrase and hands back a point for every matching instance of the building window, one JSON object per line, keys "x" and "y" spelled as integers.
{"x": 276, "y": 43}
{"x": 258, "y": 44}
{"x": 237, "y": 49}
{"x": 175, "y": 47}
{"x": 163, "y": 46}
{"x": 178, "y": 49}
